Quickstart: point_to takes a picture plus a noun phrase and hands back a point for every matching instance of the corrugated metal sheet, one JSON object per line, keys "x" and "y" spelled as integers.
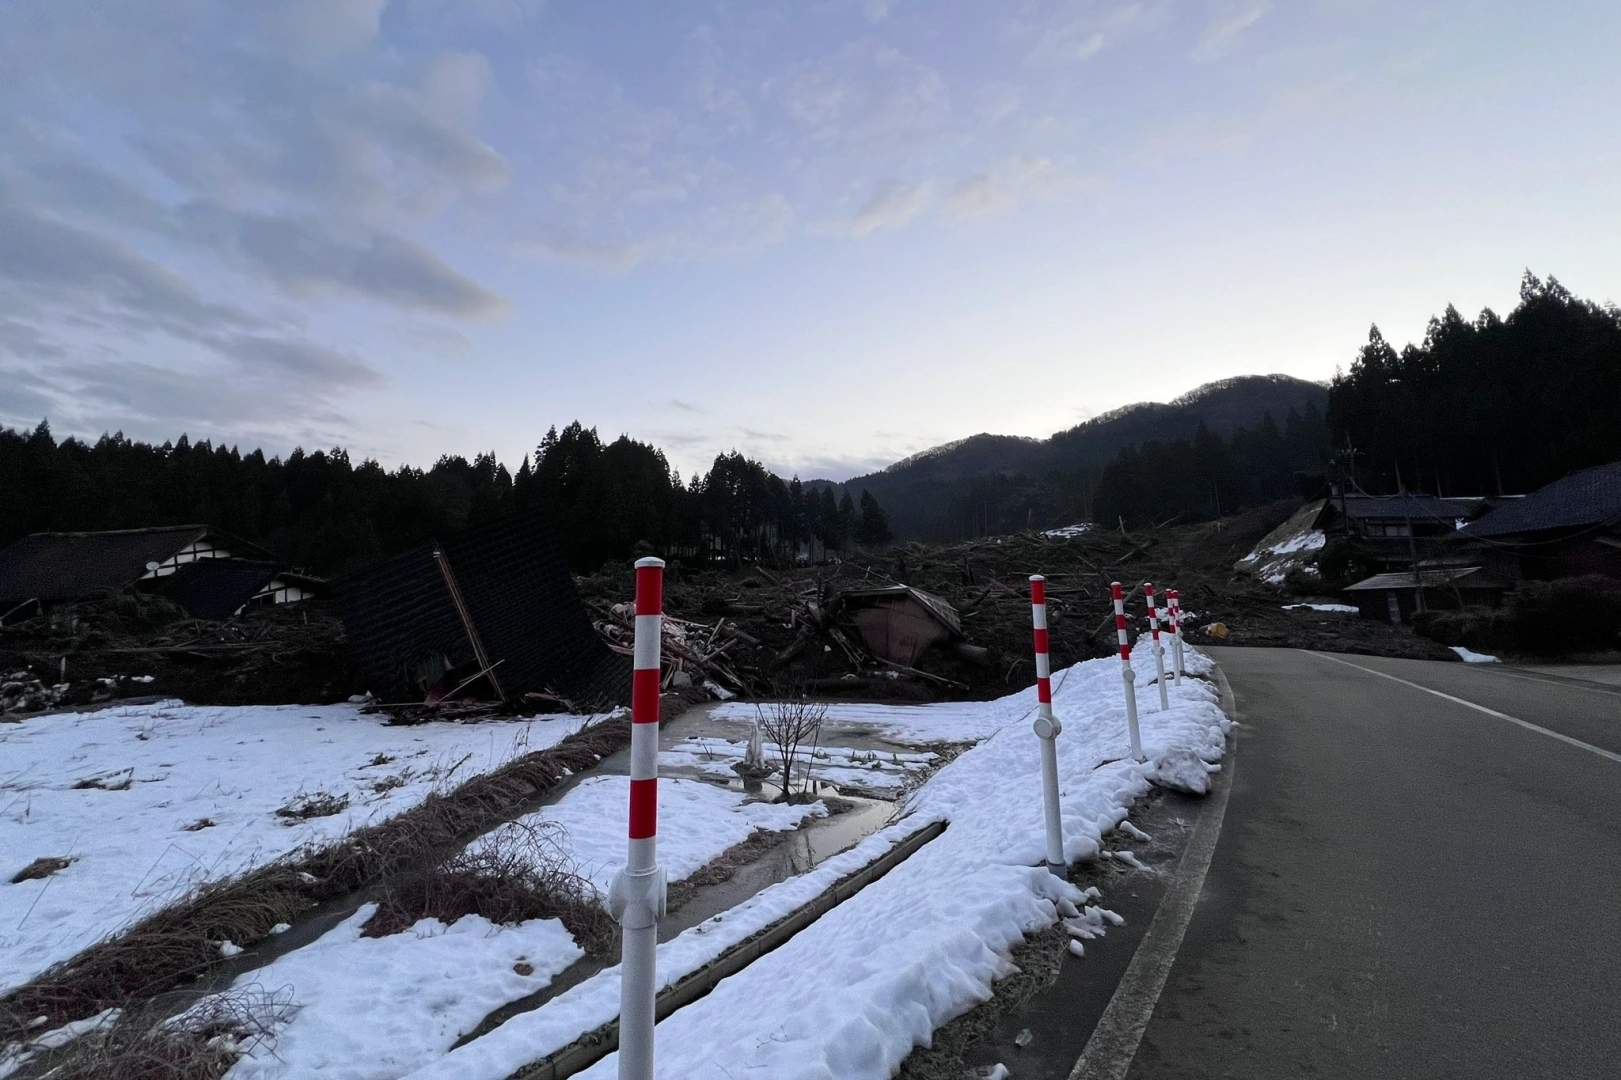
{"x": 1403, "y": 579}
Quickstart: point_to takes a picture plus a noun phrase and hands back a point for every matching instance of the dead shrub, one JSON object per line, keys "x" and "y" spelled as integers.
{"x": 199, "y": 1044}
{"x": 42, "y": 867}
{"x": 318, "y": 804}
{"x": 520, "y": 871}
{"x": 789, "y": 724}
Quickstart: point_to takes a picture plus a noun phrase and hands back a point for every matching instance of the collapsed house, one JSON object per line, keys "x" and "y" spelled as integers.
{"x": 209, "y": 573}
{"x": 898, "y": 623}
{"x": 490, "y": 612}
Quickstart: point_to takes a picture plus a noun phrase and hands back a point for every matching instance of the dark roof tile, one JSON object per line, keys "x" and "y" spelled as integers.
{"x": 1585, "y": 498}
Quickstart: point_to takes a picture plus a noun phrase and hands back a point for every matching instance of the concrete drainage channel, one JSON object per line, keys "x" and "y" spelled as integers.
{"x": 598, "y": 1044}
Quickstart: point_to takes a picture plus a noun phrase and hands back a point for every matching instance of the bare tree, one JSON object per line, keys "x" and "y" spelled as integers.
{"x": 789, "y": 725}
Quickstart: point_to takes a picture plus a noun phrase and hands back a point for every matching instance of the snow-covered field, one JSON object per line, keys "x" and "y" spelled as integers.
{"x": 697, "y": 823}
{"x": 848, "y": 997}
{"x": 851, "y": 995}
{"x": 150, "y": 800}
{"x": 363, "y": 1008}
{"x": 446, "y": 980}
{"x": 882, "y": 772}
{"x": 908, "y": 725}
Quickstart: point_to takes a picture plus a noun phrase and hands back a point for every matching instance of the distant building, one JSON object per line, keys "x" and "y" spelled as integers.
{"x": 210, "y": 573}
{"x": 1569, "y": 528}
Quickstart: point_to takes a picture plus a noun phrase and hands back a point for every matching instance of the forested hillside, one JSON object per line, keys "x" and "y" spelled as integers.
{"x": 992, "y": 484}
{"x": 327, "y": 514}
{"x": 1489, "y": 405}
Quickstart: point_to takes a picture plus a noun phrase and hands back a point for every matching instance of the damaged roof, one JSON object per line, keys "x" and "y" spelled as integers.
{"x": 69, "y": 566}
{"x": 521, "y": 610}
{"x": 938, "y": 607}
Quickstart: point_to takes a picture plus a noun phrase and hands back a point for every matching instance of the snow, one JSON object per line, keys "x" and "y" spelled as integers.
{"x": 697, "y": 822}
{"x": 1343, "y": 608}
{"x": 882, "y": 772}
{"x": 1068, "y": 532}
{"x": 850, "y": 996}
{"x": 1469, "y": 657}
{"x": 165, "y": 766}
{"x": 377, "y": 1008}
{"x": 1182, "y": 770}
{"x": 907, "y": 725}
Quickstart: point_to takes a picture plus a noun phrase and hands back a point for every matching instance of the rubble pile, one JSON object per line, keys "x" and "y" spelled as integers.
{"x": 139, "y": 645}
{"x": 766, "y": 631}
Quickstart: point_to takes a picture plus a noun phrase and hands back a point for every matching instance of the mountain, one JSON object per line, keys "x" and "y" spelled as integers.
{"x": 971, "y": 486}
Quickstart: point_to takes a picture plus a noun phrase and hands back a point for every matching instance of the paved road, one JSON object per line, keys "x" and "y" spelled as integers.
{"x": 1405, "y": 887}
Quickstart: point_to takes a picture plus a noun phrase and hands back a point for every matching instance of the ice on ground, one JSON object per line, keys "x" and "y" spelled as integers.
{"x": 697, "y": 822}
{"x": 151, "y": 800}
{"x": 849, "y": 996}
{"x": 378, "y": 1008}
{"x": 879, "y": 771}
{"x": 1342, "y": 608}
{"x": 1470, "y": 657}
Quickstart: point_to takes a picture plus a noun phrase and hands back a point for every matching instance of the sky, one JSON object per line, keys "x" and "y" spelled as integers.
{"x": 827, "y": 233}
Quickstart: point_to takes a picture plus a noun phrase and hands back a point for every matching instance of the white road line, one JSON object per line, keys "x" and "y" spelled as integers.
{"x": 1601, "y": 752}
{"x": 1113, "y": 1045}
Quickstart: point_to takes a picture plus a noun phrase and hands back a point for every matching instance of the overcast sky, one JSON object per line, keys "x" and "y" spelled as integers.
{"x": 828, "y": 234}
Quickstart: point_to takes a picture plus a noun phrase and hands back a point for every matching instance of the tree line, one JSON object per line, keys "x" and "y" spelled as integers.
{"x": 327, "y": 514}
{"x": 1486, "y": 406}
{"x": 1207, "y": 476}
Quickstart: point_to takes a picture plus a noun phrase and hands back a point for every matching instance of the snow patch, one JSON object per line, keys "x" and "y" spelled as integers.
{"x": 1180, "y": 769}
{"x": 1470, "y": 657}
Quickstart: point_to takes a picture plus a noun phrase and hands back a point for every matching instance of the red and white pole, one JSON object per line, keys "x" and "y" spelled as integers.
{"x": 1174, "y": 599}
{"x": 1127, "y": 675}
{"x": 1159, "y": 650}
{"x": 1047, "y": 729}
{"x": 637, "y": 896}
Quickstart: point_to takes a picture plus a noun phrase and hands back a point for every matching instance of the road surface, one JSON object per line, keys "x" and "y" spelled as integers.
{"x": 1405, "y": 886}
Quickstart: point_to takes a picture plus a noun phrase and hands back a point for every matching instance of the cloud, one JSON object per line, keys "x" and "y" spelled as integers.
{"x": 311, "y": 256}
{"x": 1074, "y": 31}
{"x": 299, "y": 360}
{"x": 1230, "y": 19}
{"x": 729, "y": 229}
{"x": 892, "y": 204}
{"x": 207, "y": 399}
{"x": 866, "y": 93}
{"x": 988, "y": 193}
{"x": 58, "y": 265}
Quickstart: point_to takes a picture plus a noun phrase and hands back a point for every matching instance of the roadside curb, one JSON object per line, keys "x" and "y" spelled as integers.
{"x": 1119, "y": 1031}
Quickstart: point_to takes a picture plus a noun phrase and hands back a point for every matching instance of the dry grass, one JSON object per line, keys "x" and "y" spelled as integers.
{"x": 200, "y": 1044}
{"x": 518, "y": 872}
{"x": 317, "y": 804}
{"x": 181, "y": 941}
{"x": 42, "y": 867}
